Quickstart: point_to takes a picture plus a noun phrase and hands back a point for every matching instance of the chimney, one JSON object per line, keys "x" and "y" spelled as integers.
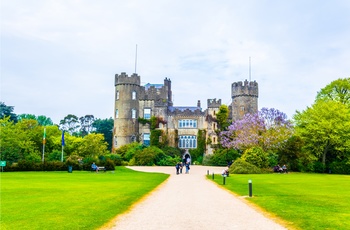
{"x": 199, "y": 104}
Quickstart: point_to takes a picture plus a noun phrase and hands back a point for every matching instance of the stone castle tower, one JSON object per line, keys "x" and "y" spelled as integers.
{"x": 244, "y": 98}
{"x": 126, "y": 108}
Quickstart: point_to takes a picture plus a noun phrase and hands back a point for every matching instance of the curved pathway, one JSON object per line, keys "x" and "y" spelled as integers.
{"x": 190, "y": 201}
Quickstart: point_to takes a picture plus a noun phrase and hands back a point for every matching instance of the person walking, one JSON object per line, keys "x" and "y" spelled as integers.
{"x": 187, "y": 165}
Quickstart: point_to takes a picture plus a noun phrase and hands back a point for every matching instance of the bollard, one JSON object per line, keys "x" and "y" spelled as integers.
{"x": 213, "y": 176}
{"x": 208, "y": 172}
{"x": 250, "y": 188}
{"x": 224, "y": 180}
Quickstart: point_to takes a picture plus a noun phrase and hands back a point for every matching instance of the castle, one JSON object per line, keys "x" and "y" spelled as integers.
{"x": 179, "y": 124}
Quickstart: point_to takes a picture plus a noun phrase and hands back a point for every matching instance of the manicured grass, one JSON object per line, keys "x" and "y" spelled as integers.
{"x": 306, "y": 201}
{"x": 78, "y": 200}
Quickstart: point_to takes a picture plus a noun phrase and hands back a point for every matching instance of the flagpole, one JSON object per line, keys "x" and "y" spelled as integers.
{"x": 62, "y": 145}
{"x": 44, "y": 141}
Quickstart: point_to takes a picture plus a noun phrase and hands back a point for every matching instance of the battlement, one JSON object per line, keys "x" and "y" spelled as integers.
{"x": 213, "y": 103}
{"x": 250, "y": 88}
{"x": 123, "y": 78}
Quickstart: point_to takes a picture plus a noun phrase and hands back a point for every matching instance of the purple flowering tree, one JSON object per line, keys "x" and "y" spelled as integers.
{"x": 268, "y": 129}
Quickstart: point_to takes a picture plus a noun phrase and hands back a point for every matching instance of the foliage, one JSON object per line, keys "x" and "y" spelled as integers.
{"x": 71, "y": 124}
{"x": 324, "y": 128}
{"x": 171, "y": 151}
{"x": 242, "y": 167}
{"x": 105, "y": 127}
{"x": 169, "y": 161}
{"x": 197, "y": 153}
{"x": 338, "y": 90}
{"x": 268, "y": 129}
{"x": 291, "y": 153}
{"x": 41, "y": 119}
{"x": 86, "y": 124}
{"x": 92, "y": 145}
{"x": 123, "y": 150}
{"x": 149, "y": 156}
{"x": 221, "y": 157}
{"x": 256, "y": 156}
{"x": 7, "y": 111}
{"x": 222, "y": 117}
{"x": 340, "y": 167}
{"x": 155, "y": 136}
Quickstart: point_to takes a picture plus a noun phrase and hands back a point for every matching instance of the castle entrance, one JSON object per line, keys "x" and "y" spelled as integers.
{"x": 186, "y": 157}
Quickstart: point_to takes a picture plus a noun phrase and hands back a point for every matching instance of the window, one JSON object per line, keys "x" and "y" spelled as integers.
{"x": 133, "y": 95}
{"x": 147, "y": 113}
{"x": 187, "y": 142}
{"x": 146, "y": 139}
{"x": 115, "y": 141}
{"x": 116, "y": 113}
{"x": 242, "y": 108}
{"x": 187, "y": 124}
{"x": 117, "y": 95}
{"x": 133, "y": 138}
{"x": 133, "y": 113}
{"x": 214, "y": 140}
{"x": 214, "y": 126}
{"x": 214, "y": 112}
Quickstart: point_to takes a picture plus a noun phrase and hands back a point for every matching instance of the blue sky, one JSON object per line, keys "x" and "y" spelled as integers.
{"x": 60, "y": 57}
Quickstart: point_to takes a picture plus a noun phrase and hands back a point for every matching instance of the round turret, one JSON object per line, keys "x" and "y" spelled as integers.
{"x": 244, "y": 98}
{"x": 127, "y": 92}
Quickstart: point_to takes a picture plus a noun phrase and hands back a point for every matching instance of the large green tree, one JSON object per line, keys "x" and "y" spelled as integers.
{"x": 105, "y": 126}
{"x": 323, "y": 127}
{"x": 338, "y": 90}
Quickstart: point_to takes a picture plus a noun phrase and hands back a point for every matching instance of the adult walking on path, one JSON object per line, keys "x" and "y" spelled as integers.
{"x": 190, "y": 201}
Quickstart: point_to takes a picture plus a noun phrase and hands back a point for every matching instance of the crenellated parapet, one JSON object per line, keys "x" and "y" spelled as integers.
{"x": 245, "y": 89}
{"x": 185, "y": 111}
{"x": 214, "y": 103}
{"x": 123, "y": 78}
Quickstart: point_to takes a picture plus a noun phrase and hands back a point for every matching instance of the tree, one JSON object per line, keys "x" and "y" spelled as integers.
{"x": 222, "y": 117}
{"x": 323, "y": 127}
{"x": 42, "y": 120}
{"x": 92, "y": 145}
{"x": 268, "y": 129}
{"x": 70, "y": 123}
{"x": 105, "y": 126}
{"x": 86, "y": 126}
{"x": 7, "y": 111}
{"x": 338, "y": 90}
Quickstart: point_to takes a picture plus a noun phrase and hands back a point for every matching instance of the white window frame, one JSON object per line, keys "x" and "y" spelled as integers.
{"x": 187, "y": 142}
{"x": 187, "y": 124}
{"x": 133, "y": 113}
{"x": 147, "y": 113}
{"x": 133, "y": 95}
{"x": 116, "y": 113}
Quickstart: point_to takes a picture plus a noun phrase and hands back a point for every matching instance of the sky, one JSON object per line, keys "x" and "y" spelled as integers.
{"x": 60, "y": 57}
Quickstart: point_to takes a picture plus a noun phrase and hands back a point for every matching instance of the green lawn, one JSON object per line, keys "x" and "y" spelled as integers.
{"x": 306, "y": 201}
{"x": 78, "y": 200}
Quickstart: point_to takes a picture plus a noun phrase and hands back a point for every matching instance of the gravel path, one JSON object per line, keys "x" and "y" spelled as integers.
{"x": 190, "y": 201}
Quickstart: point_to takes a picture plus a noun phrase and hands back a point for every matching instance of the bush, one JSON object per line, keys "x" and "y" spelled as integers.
{"x": 172, "y": 151}
{"x": 256, "y": 156}
{"x": 242, "y": 167}
{"x": 341, "y": 167}
{"x": 149, "y": 156}
{"x": 169, "y": 161}
{"x": 221, "y": 157}
{"x": 319, "y": 167}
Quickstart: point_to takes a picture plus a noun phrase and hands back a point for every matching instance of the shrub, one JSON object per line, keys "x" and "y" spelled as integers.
{"x": 169, "y": 161}
{"x": 149, "y": 156}
{"x": 221, "y": 157}
{"x": 242, "y": 167}
{"x": 256, "y": 156}
{"x": 341, "y": 167}
{"x": 319, "y": 167}
{"x": 172, "y": 151}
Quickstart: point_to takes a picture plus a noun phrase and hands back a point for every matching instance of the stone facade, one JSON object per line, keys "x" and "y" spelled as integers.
{"x": 181, "y": 123}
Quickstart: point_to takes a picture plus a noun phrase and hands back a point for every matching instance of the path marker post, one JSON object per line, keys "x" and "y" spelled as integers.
{"x": 213, "y": 175}
{"x": 250, "y": 188}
